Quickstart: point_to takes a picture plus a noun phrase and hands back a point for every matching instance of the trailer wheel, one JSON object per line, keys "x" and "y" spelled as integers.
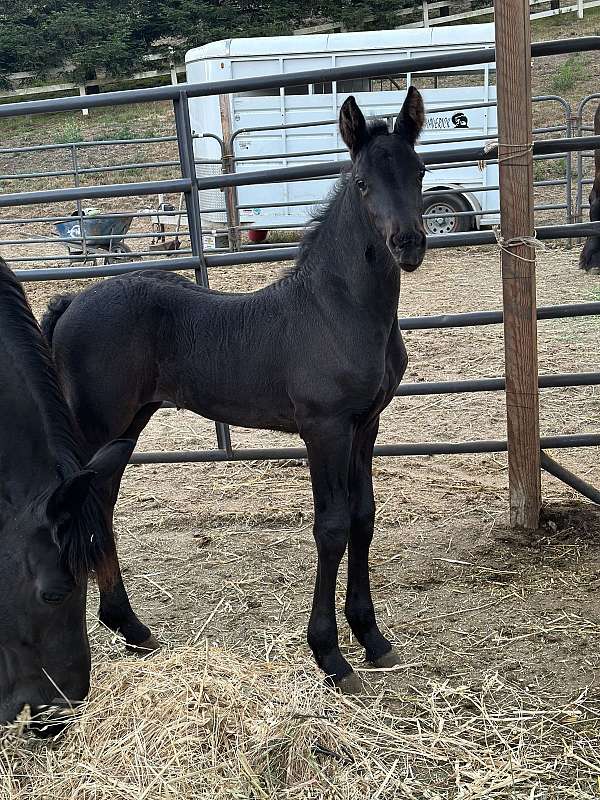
{"x": 443, "y": 204}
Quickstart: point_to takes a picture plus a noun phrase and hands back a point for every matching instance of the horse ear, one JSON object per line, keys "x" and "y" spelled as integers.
{"x": 110, "y": 459}
{"x": 353, "y": 126}
{"x": 66, "y": 500}
{"x": 409, "y": 122}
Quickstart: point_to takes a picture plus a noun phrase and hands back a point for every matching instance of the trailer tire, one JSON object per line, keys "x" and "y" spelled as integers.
{"x": 438, "y": 202}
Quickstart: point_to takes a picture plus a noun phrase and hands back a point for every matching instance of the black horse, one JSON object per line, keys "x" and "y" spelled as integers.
{"x": 590, "y": 255}
{"x": 53, "y": 528}
{"x": 318, "y": 353}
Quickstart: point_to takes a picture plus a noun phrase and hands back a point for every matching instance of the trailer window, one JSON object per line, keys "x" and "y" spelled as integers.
{"x": 451, "y": 80}
{"x": 392, "y": 83}
{"x": 300, "y": 89}
{"x": 323, "y": 88}
{"x": 425, "y": 80}
{"x": 354, "y": 85}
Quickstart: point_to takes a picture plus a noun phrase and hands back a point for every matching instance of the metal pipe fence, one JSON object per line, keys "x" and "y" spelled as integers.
{"x": 403, "y": 449}
{"x": 189, "y": 185}
{"x": 565, "y": 128}
{"x": 471, "y": 155}
{"x": 229, "y": 159}
{"x": 281, "y": 254}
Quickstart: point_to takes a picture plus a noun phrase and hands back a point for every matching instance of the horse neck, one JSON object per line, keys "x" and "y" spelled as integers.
{"x": 35, "y": 446}
{"x": 38, "y": 441}
{"x": 348, "y": 259}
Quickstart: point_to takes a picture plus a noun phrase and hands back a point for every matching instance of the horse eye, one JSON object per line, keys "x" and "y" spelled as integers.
{"x": 362, "y": 185}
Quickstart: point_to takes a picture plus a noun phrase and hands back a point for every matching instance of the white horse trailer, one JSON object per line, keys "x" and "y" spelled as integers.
{"x": 264, "y": 124}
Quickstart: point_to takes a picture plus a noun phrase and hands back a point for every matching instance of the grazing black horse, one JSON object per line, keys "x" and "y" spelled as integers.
{"x": 590, "y": 255}
{"x": 318, "y": 353}
{"x": 53, "y": 529}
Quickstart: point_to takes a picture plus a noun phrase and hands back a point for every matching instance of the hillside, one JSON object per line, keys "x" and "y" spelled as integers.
{"x": 571, "y": 77}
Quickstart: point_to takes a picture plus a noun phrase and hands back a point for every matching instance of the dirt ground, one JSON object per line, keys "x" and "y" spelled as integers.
{"x": 226, "y": 551}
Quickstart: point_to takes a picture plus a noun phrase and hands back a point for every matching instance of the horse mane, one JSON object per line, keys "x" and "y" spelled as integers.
{"x": 89, "y": 545}
{"x": 324, "y": 210}
{"x": 31, "y": 358}
{"x": 319, "y": 216}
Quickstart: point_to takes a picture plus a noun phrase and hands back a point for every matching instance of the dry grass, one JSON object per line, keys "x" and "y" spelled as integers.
{"x": 200, "y": 723}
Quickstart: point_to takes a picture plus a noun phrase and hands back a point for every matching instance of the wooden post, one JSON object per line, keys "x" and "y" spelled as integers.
{"x": 231, "y": 195}
{"x": 82, "y": 93}
{"x": 513, "y": 65}
{"x": 172, "y": 67}
{"x": 425, "y": 14}
{"x": 580, "y": 9}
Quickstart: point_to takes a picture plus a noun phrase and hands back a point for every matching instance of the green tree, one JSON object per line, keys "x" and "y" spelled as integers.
{"x": 114, "y": 35}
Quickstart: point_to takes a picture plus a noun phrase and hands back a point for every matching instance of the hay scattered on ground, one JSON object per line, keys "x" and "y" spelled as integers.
{"x": 199, "y": 722}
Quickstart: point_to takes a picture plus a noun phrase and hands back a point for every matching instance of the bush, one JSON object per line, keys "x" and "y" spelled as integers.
{"x": 124, "y": 132}
{"x": 568, "y": 74}
{"x": 70, "y": 132}
{"x": 550, "y": 169}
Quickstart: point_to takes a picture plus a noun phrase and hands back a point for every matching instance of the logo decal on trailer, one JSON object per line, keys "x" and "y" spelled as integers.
{"x": 459, "y": 120}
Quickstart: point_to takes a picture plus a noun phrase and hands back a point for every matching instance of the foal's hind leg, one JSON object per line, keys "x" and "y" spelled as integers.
{"x": 360, "y": 612}
{"x": 329, "y": 445}
{"x": 115, "y": 608}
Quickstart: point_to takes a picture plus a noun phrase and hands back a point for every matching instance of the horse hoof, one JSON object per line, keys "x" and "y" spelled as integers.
{"x": 594, "y": 270}
{"x": 150, "y": 645}
{"x": 387, "y": 660}
{"x": 350, "y": 684}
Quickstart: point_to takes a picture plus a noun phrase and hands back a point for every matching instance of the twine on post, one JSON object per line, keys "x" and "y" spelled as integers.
{"x": 516, "y": 241}
{"x": 520, "y": 150}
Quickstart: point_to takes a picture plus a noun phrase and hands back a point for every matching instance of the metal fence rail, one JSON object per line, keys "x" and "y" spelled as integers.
{"x": 229, "y": 160}
{"x": 189, "y": 184}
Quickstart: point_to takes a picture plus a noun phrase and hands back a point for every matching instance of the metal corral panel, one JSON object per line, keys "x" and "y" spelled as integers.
{"x": 242, "y": 58}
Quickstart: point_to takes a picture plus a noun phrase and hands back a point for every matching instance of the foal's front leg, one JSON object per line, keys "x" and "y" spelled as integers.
{"x": 360, "y": 612}
{"x": 329, "y": 446}
{"x": 115, "y": 607}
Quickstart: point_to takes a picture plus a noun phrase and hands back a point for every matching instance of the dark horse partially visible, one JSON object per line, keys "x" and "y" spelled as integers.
{"x": 53, "y": 528}
{"x": 318, "y": 353}
{"x": 590, "y": 255}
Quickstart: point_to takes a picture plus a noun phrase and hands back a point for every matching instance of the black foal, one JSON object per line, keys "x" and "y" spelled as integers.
{"x": 318, "y": 353}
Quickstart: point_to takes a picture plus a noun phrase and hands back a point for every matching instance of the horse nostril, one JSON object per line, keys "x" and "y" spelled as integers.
{"x": 398, "y": 241}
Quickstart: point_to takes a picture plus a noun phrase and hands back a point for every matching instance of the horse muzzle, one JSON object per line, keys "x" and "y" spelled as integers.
{"x": 408, "y": 250}
{"x": 44, "y": 720}
{"x": 52, "y": 719}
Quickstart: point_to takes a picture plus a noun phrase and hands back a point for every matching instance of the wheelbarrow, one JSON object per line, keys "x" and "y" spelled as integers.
{"x": 92, "y": 239}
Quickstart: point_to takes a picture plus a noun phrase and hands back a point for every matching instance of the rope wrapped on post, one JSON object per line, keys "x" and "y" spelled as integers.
{"x": 489, "y": 147}
{"x": 517, "y": 241}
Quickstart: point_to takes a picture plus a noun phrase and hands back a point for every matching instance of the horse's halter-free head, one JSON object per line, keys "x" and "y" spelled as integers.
{"x": 388, "y": 175}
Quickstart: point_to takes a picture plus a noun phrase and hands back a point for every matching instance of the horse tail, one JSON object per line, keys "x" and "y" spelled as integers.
{"x": 56, "y": 308}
